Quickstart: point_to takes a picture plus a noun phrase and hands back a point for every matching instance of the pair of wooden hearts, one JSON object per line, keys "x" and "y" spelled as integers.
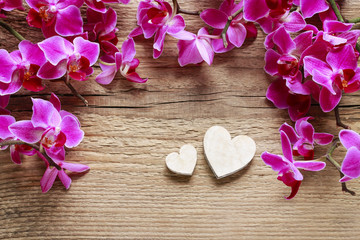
{"x": 224, "y": 155}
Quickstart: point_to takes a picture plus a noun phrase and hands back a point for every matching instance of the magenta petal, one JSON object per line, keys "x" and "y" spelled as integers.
{"x": 25, "y": 131}
{"x": 49, "y": 71}
{"x": 214, "y": 18}
{"x": 106, "y": 77}
{"x": 4, "y": 101}
{"x": 294, "y": 22}
{"x": 342, "y": 58}
{"x": 13, "y": 86}
{"x": 237, "y": 34}
{"x": 310, "y": 165}
{"x": 349, "y": 138}
{"x": 135, "y": 32}
{"x": 70, "y": 127}
{"x": 176, "y": 25}
{"x": 271, "y": 58}
{"x": 55, "y": 49}
{"x": 75, "y": 167}
{"x": 159, "y": 38}
{"x": 351, "y": 164}
{"x": 7, "y": 66}
{"x": 15, "y": 155}
{"x": 276, "y": 162}
{"x": 48, "y": 179}
{"x": 312, "y": 63}
{"x": 134, "y": 77}
{"x": 333, "y": 26}
{"x": 5, "y": 122}
{"x": 56, "y": 153}
{"x": 278, "y": 93}
{"x": 64, "y": 178}
{"x": 55, "y": 102}
{"x": 283, "y": 40}
{"x": 89, "y": 50}
{"x": 128, "y": 50}
{"x": 205, "y": 50}
{"x": 252, "y": 13}
{"x": 323, "y": 138}
{"x": 96, "y": 5}
{"x": 290, "y": 132}
{"x": 345, "y": 179}
{"x": 303, "y": 41}
{"x": 286, "y": 146}
{"x": 329, "y": 101}
{"x": 305, "y": 129}
{"x": 44, "y": 114}
{"x": 188, "y": 52}
{"x": 311, "y": 7}
{"x": 32, "y": 53}
{"x": 69, "y": 21}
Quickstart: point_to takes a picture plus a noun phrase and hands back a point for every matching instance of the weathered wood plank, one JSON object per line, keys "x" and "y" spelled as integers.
{"x": 130, "y": 128}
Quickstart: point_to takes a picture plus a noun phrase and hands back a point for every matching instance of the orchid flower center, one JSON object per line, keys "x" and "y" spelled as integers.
{"x": 30, "y": 72}
{"x": 157, "y": 16}
{"x": 53, "y": 138}
{"x": 125, "y": 69}
{"x": 278, "y": 7}
{"x": 47, "y": 13}
{"x": 78, "y": 62}
{"x": 344, "y": 77}
{"x": 288, "y": 65}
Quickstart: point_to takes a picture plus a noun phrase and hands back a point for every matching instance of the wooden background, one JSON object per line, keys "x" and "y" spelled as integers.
{"x": 130, "y": 128}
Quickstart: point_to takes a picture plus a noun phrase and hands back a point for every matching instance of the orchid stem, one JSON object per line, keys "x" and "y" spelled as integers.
{"x": 177, "y": 9}
{"x": 336, "y": 11}
{"x": 37, "y": 148}
{"x": 230, "y": 18}
{"x": 11, "y": 30}
{"x": 337, "y": 165}
{"x": 73, "y": 90}
{"x": 355, "y": 20}
{"x": 338, "y": 120}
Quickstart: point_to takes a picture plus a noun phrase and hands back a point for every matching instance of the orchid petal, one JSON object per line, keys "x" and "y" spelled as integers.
{"x": 25, "y": 131}
{"x": 44, "y": 114}
{"x": 286, "y": 146}
{"x": 351, "y": 164}
{"x": 48, "y": 179}
{"x": 70, "y": 127}
{"x": 349, "y": 138}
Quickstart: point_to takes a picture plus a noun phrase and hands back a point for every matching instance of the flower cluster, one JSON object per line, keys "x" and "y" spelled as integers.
{"x": 47, "y": 134}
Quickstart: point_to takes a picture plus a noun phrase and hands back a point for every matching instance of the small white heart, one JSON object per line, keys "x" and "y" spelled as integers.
{"x": 183, "y": 163}
{"x": 225, "y": 155}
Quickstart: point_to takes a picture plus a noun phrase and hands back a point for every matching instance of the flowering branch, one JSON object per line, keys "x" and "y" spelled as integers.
{"x": 73, "y": 90}
{"x": 177, "y": 9}
{"x": 11, "y": 30}
{"x": 37, "y": 148}
{"x": 355, "y": 20}
{"x": 338, "y": 120}
{"x": 337, "y": 165}
{"x": 336, "y": 11}
{"x": 230, "y": 18}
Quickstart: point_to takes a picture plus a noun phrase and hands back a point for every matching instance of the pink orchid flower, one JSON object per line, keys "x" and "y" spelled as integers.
{"x": 124, "y": 62}
{"x": 297, "y": 104}
{"x": 20, "y": 68}
{"x": 304, "y": 138}
{"x": 273, "y": 8}
{"x": 338, "y": 73}
{"x": 217, "y": 19}
{"x": 52, "y": 127}
{"x": 310, "y": 7}
{"x": 64, "y": 57}
{"x": 99, "y": 5}
{"x": 5, "y": 134}
{"x": 50, "y": 174}
{"x": 351, "y": 165}
{"x": 56, "y": 17}
{"x": 9, "y": 5}
{"x": 195, "y": 48}
{"x": 156, "y": 17}
{"x": 101, "y": 27}
{"x": 4, "y": 101}
{"x": 285, "y": 61}
{"x": 287, "y": 167}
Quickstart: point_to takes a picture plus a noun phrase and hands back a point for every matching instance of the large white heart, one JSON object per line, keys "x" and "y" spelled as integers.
{"x": 183, "y": 163}
{"x": 225, "y": 155}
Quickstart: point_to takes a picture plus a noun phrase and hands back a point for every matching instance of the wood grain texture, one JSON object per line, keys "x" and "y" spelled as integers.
{"x": 130, "y": 128}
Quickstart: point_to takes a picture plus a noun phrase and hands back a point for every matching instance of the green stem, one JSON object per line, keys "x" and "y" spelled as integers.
{"x": 337, "y": 165}
{"x": 37, "y": 148}
{"x": 11, "y": 30}
{"x": 336, "y": 11}
{"x": 355, "y": 20}
{"x": 230, "y": 18}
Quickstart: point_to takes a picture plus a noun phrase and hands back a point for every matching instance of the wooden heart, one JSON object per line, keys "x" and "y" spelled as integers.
{"x": 225, "y": 155}
{"x": 183, "y": 163}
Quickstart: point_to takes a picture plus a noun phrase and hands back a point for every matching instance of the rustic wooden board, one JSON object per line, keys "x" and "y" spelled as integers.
{"x": 130, "y": 128}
